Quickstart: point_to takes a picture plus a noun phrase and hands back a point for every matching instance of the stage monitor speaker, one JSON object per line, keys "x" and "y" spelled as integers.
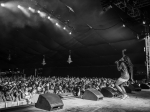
{"x": 92, "y": 94}
{"x": 131, "y": 87}
{"x": 109, "y": 92}
{"x": 145, "y": 86}
{"x": 135, "y": 87}
{"x": 128, "y": 90}
{"x": 49, "y": 101}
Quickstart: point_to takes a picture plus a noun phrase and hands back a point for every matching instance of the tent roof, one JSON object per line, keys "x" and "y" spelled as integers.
{"x": 97, "y": 36}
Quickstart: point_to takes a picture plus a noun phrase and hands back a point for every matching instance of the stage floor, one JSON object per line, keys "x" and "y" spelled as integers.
{"x": 138, "y": 102}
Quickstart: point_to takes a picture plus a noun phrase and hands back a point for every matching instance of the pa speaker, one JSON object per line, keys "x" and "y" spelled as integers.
{"x": 145, "y": 86}
{"x": 49, "y": 101}
{"x": 108, "y": 92}
{"x": 135, "y": 87}
{"x": 92, "y": 94}
{"x": 128, "y": 90}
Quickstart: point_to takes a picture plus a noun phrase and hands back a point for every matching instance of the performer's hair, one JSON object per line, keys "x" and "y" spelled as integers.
{"x": 127, "y": 62}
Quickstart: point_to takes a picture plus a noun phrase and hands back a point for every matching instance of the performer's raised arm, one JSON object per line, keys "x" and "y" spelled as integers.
{"x": 129, "y": 63}
{"x": 123, "y": 52}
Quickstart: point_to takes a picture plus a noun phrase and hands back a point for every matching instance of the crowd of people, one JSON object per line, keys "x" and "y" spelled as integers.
{"x": 21, "y": 88}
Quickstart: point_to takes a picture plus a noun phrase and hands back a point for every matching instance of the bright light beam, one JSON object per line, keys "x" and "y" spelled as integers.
{"x": 49, "y": 17}
{"x": 38, "y": 11}
{"x": 24, "y": 10}
{"x": 42, "y": 14}
{"x": 31, "y": 9}
{"x": 19, "y": 6}
{"x": 64, "y": 28}
{"x": 2, "y": 5}
{"x": 58, "y": 25}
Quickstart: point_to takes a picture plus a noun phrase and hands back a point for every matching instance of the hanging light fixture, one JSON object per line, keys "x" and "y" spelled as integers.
{"x": 69, "y": 58}
{"x": 9, "y": 57}
{"x": 43, "y": 62}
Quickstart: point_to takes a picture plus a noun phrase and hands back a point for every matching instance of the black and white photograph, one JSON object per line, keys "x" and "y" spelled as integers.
{"x": 74, "y": 55}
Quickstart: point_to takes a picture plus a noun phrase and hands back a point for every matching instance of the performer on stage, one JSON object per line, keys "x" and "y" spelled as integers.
{"x": 129, "y": 64}
{"x": 123, "y": 66}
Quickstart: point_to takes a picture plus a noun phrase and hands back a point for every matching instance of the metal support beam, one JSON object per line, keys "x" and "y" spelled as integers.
{"x": 142, "y": 3}
{"x": 130, "y": 10}
{"x": 147, "y": 44}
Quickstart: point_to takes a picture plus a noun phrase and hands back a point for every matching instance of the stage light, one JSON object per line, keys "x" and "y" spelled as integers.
{"x": 57, "y": 24}
{"x": 70, "y": 33}
{"x": 70, "y": 8}
{"x": 31, "y": 9}
{"x": 123, "y": 25}
{"x": 38, "y": 11}
{"x": 144, "y": 22}
{"x": 2, "y": 5}
{"x": 64, "y": 28}
{"x": 42, "y": 14}
{"x": 19, "y": 6}
{"x": 49, "y": 17}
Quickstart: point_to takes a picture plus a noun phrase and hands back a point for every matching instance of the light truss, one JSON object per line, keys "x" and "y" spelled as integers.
{"x": 130, "y": 10}
{"x": 142, "y": 3}
{"x": 130, "y": 7}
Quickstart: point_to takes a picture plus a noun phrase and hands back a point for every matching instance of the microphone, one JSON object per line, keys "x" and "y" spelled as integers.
{"x": 116, "y": 61}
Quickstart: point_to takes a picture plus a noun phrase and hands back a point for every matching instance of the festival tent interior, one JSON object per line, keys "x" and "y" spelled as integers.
{"x": 72, "y": 37}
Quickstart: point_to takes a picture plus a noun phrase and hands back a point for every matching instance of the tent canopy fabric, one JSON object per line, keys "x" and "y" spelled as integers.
{"x": 97, "y": 36}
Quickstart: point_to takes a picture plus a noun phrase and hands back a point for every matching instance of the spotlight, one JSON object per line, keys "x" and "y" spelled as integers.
{"x": 38, "y": 11}
{"x": 19, "y": 6}
{"x": 123, "y": 25}
{"x": 29, "y": 8}
{"x": 70, "y": 8}
{"x": 49, "y": 17}
{"x": 70, "y": 33}
{"x": 56, "y": 24}
{"x": 144, "y": 22}
{"x": 2, "y": 5}
{"x": 64, "y": 28}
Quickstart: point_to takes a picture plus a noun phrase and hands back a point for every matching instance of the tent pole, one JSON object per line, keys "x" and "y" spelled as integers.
{"x": 147, "y": 44}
